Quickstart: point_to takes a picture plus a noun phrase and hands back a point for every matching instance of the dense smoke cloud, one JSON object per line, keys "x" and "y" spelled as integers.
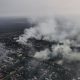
{"x": 51, "y": 29}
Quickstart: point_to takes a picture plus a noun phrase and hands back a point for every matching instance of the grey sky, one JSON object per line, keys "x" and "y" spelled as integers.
{"x": 39, "y": 7}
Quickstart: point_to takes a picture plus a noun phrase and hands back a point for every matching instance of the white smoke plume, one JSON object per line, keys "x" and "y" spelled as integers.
{"x": 43, "y": 55}
{"x": 51, "y": 29}
{"x": 64, "y": 50}
{"x": 44, "y": 29}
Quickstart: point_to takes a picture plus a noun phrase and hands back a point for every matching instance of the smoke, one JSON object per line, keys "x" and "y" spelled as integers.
{"x": 57, "y": 29}
{"x": 44, "y": 29}
{"x": 43, "y": 55}
{"x": 51, "y": 29}
{"x": 64, "y": 52}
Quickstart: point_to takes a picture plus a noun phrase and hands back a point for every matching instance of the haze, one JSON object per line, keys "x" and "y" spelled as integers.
{"x": 39, "y": 7}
